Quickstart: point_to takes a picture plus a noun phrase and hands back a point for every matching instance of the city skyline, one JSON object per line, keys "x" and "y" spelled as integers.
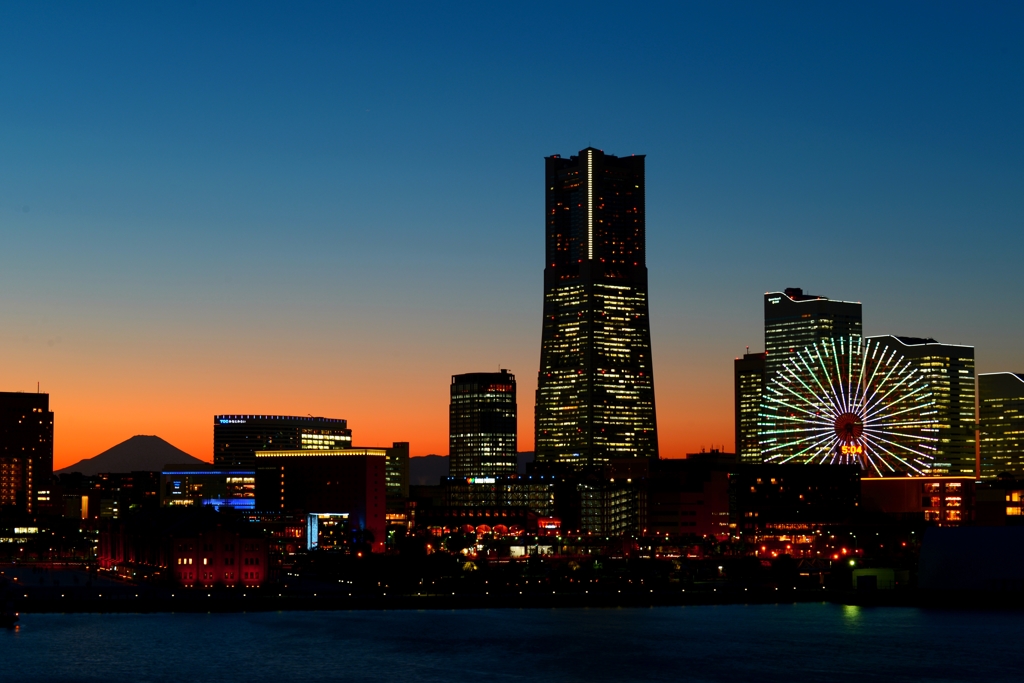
{"x": 205, "y": 217}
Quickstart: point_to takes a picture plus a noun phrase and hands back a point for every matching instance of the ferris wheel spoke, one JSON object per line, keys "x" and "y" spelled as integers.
{"x": 791, "y": 444}
{"x": 904, "y": 435}
{"x": 840, "y": 406}
{"x": 821, "y": 440}
{"x": 810, "y": 392}
{"x": 891, "y": 454}
{"x": 823, "y": 392}
{"x": 872, "y": 409}
{"x": 897, "y": 444}
{"x": 898, "y": 412}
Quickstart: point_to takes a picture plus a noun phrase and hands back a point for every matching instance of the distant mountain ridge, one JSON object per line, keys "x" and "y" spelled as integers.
{"x": 137, "y": 454}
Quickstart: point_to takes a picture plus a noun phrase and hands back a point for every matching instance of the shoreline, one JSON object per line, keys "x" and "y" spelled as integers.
{"x": 214, "y": 602}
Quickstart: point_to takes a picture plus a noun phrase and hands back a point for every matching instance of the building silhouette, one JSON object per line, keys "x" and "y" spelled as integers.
{"x": 482, "y": 425}
{"x": 595, "y": 387}
{"x": 237, "y": 438}
{"x": 1001, "y": 423}
{"x": 794, "y": 320}
{"x": 949, "y": 371}
{"x": 26, "y": 451}
{"x": 749, "y": 389}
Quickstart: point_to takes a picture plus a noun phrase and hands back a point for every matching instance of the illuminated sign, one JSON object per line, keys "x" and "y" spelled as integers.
{"x": 481, "y": 480}
{"x": 852, "y": 449}
{"x": 26, "y": 530}
{"x": 231, "y": 422}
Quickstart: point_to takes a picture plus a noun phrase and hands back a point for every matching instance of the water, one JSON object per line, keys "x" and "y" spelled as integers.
{"x": 735, "y": 643}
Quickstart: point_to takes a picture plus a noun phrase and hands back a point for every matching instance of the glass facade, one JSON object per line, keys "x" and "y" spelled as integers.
{"x": 794, "y": 321}
{"x": 1001, "y": 424}
{"x": 482, "y": 425}
{"x": 595, "y": 388}
{"x": 237, "y": 438}
{"x": 749, "y": 388}
{"x": 949, "y": 371}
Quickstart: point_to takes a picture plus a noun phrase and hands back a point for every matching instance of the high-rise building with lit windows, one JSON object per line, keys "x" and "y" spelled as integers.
{"x": 482, "y": 425}
{"x": 749, "y": 389}
{"x": 794, "y": 321}
{"x": 237, "y": 438}
{"x": 949, "y": 371}
{"x": 595, "y": 388}
{"x": 1001, "y": 423}
{"x": 26, "y": 451}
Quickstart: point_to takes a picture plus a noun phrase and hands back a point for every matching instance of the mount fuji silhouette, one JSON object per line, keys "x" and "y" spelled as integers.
{"x": 137, "y": 454}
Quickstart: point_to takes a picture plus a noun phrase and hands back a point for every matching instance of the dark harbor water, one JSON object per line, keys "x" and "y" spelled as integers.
{"x": 736, "y": 643}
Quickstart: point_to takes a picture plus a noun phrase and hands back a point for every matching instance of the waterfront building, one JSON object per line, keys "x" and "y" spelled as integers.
{"x": 217, "y": 487}
{"x": 236, "y": 438}
{"x": 794, "y": 321}
{"x": 349, "y": 480}
{"x": 749, "y": 374}
{"x": 26, "y": 451}
{"x": 949, "y": 371}
{"x": 595, "y": 387}
{"x": 774, "y": 501}
{"x": 1001, "y": 424}
{"x": 938, "y": 500}
{"x": 482, "y": 425}
{"x": 689, "y": 496}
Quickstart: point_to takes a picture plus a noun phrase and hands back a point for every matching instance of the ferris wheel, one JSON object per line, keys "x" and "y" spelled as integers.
{"x": 849, "y": 401}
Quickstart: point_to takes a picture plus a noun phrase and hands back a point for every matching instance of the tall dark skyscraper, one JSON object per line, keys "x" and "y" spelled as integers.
{"x": 749, "y": 390}
{"x": 794, "y": 320}
{"x": 26, "y": 451}
{"x": 482, "y": 429}
{"x": 237, "y": 438}
{"x": 595, "y": 388}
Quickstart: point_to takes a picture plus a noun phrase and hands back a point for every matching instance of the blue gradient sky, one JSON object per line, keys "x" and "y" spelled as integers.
{"x": 325, "y": 209}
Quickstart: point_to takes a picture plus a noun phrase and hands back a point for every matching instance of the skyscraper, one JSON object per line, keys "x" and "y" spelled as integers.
{"x": 949, "y": 371}
{"x": 794, "y": 320}
{"x": 595, "y": 388}
{"x": 237, "y": 438}
{"x": 1001, "y": 423}
{"x": 482, "y": 427}
{"x": 26, "y": 451}
{"x": 749, "y": 389}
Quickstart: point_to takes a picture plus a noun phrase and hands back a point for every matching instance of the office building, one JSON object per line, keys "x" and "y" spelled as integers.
{"x": 794, "y": 321}
{"x": 397, "y": 470}
{"x": 595, "y": 387}
{"x": 217, "y": 487}
{"x": 26, "y": 451}
{"x": 749, "y": 389}
{"x": 349, "y": 480}
{"x": 949, "y": 371}
{"x": 236, "y": 438}
{"x": 482, "y": 427}
{"x": 1001, "y": 423}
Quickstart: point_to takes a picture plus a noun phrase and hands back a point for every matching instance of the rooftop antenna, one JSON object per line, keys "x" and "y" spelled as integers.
{"x": 37, "y": 387}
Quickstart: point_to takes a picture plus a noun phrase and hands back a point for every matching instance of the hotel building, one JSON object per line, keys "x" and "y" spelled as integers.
{"x": 482, "y": 425}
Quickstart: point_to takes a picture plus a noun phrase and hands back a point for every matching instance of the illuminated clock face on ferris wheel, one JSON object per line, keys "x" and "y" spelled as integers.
{"x": 849, "y": 401}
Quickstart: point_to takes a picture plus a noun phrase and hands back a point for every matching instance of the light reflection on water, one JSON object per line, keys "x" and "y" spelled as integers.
{"x": 736, "y": 643}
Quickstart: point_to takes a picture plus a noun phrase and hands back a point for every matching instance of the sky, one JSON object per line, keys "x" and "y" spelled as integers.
{"x": 330, "y": 208}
